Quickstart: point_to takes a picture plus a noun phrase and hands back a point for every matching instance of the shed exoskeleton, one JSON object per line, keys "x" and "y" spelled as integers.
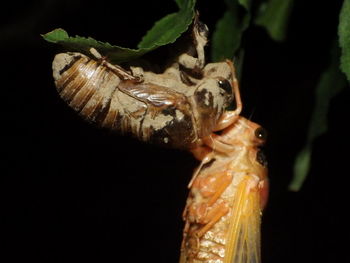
{"x": 174, "y": 108}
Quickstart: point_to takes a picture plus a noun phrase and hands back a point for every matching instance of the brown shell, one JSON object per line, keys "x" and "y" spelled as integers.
{"x": 151, "y": 111}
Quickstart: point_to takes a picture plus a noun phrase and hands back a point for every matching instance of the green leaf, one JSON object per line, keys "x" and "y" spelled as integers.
{"x": 164, "y": 32}
{"x": 331, "y": 83}
{"x": 245, "y": 3}
{"x": 170, "y": 27}
{"x": 229, "y": 29}
{"x": 56, "y": 35}
{"x": 344, "y": 38}
{"x": 301, "y": 168}
{"x": 183, "y": 4}
{"x": 273, "y": 16}
{"x": 82, "y": 44}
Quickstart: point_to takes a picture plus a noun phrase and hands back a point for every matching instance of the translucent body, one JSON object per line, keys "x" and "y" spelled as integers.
{"x": 227, "y": 195}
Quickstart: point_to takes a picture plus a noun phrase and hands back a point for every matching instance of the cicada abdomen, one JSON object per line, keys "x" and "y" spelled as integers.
{"x": 227, "y": 193}
{"x": 159, "y": 108}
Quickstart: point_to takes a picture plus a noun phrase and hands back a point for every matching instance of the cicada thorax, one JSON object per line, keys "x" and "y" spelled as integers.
{"x": 226, "y": 198}
{"x": 158, "y": 108}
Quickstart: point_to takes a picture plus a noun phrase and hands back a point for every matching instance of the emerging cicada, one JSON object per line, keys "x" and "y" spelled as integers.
{"x": 175, "y": 108}
{"x": 227, "y": 193}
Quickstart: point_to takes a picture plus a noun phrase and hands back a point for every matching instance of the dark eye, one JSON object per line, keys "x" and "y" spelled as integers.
{"x": 261, "y": 133}
{"x": 225, "y": 85}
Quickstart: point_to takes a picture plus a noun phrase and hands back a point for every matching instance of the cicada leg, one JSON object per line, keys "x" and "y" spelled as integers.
{"x": 230, "y": 117}
{"x": 210, "y": 188}
{"x": 119, "y": 71}
{"x": 207, "y": 212}
{"x": 215, "y": 215}
{"x": 200, "y": 34}
{"x": 201, "y": 151}
{"x": 205, "y": 158}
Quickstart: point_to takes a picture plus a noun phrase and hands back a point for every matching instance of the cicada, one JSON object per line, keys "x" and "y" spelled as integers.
{"x": 176, "y": 107}
{"x": 227, "y": 193}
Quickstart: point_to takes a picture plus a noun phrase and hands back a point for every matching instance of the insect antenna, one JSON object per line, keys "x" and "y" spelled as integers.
{"x": 251, "y": 114}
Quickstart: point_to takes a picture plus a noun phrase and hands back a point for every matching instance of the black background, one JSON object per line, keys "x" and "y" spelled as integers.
{"x": 70, "y": 191}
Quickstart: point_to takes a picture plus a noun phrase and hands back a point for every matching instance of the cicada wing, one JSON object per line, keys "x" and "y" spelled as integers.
{"x": 243, "y": 242}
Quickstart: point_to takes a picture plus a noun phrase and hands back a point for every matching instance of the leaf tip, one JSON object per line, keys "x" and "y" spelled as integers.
{"x": 55, "y": 35}
{"x": 301, "y": 169}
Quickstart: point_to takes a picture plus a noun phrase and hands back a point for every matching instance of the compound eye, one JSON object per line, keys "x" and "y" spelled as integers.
{"x": 261, "y": 133}
{"x": 225, "y": 85}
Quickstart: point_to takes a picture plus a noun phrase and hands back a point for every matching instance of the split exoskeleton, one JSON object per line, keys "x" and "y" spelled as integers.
{"x": 176, "y": 108}
{"x": 227, "y": 193}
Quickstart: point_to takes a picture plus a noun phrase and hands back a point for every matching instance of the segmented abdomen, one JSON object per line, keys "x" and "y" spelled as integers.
{"x": 209, "y": 248}
{"x": 235, "y": 236}
{"x": 149, "y": 112}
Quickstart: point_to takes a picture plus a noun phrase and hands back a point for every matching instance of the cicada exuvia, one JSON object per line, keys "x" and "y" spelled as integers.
{"x": 227, "y": 193}
{"x": 175, "y": 108}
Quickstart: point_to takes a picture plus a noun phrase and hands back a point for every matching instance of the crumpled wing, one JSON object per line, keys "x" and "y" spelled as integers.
{"x": 243, "y": 242}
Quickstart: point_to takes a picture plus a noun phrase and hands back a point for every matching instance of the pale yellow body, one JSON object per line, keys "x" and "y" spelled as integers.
{"x": 224, "y": 206}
